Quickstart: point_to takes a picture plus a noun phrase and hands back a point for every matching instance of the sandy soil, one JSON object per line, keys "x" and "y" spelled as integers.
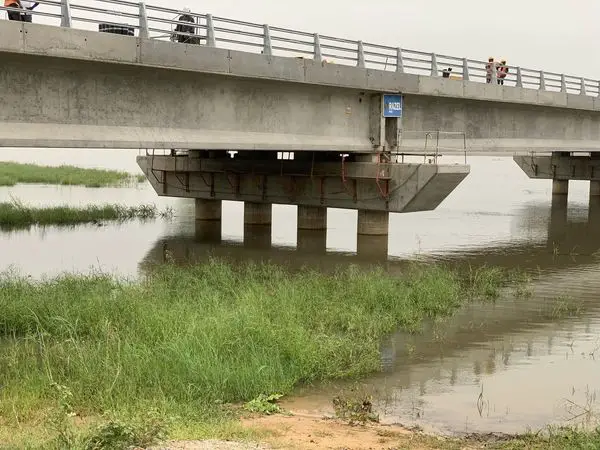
{"x": 304, "y": 432}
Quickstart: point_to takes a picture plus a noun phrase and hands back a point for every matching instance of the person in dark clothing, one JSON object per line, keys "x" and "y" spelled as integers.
{"x": 182, "y": 27}
{"x": 446, "y": 72}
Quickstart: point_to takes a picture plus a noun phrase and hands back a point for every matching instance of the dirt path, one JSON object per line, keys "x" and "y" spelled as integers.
{"x": 304, "y": 432}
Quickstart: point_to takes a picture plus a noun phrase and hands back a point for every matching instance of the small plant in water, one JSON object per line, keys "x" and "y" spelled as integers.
{"x": 354, "y": 408}
{"x": 264, "y": 404}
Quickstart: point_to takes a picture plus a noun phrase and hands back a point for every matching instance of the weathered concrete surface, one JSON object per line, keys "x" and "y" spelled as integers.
{"x": 312, "y": 218}
{"x": 74, "y": 88}
{"x": 401, "y": 188}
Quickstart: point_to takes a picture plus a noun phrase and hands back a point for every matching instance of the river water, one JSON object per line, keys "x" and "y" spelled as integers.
{"x": 520, "y": 362}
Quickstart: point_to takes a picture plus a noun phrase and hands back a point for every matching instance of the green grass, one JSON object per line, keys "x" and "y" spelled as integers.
{"x": 555, "y": 439}
{"x": 186, "y": 340}
{"x": 12, "y": 173}
{"x": 15, "y": 215}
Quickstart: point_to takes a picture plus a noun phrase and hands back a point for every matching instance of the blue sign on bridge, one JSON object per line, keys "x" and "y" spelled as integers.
{"x": 392, "y": 105}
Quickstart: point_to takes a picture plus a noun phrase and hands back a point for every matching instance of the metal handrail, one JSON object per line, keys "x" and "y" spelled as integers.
{"x": 157, "y": 22}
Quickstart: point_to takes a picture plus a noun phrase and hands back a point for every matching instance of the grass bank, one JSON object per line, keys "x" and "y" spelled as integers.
{"x": 188, "y": 340}
{"x": 12, "y": 173}
{"x": 15, "y": 215}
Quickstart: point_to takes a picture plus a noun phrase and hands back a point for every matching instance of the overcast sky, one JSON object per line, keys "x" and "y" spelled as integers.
{"x": 557, "y": 35}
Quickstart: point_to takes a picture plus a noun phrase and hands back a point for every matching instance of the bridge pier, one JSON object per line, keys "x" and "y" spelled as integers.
{"x": 560, "y": 187}
{"x": 312, "y": 241}
{"x": 208, "y": 210}
{"x": 208, "y": 231}
{"x": 373, "y": 223}
{"x": 257, "y": 236}
{"x": 594, "y": 188}
{"x": 312, "y": 218}
{"x": 372, "y": 247}
{"x": 257, "y": 213}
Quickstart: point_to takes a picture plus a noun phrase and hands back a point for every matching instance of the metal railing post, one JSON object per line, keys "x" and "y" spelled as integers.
{"x": 317, "y": 54}
{"x": 267, "y": 47}
{"x": 519, "y": 78}
{"x": 361, "y": 56}
{"x": 144, "y": 33}
{"x": 582, "y": 89}
{"x": 65, "y": 14}
{"x": 211, "y": 40}
{"x": 563, "y": 83}
{"x": 399, "y": 61}
{"x": 542, "y": 81}
{"x": 598, "y": 88}
{"x": 466, "y": 75}
{"x": 434, "y": 66}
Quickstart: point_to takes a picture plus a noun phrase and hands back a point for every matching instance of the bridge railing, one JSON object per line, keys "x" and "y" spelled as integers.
{"x": 155, "y": 22}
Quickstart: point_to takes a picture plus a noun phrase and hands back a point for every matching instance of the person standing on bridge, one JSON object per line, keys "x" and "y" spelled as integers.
{"x": 182, "y": 27}
{"x": 502, "y": 71}
{"x": 21, "y": 4}
{"x": 490, "y": 67}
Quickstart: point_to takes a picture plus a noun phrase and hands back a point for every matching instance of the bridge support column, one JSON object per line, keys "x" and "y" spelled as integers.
{"x": 312, "y": 241}
{"x": 594, "y": 189}
{"x": 372, "y": 247}
{"x": 558, "y": 222}
{"x": 373, "y": 223}
{"x": 560, "y": 187}
{"x": 208, "y": 220}
{"x": 257, "y": 236}
{"x": 312, "y": 218}
{"x": 208, "y": 210}
{"x": 208, "y": 231}
{"x": 257, "y": 213}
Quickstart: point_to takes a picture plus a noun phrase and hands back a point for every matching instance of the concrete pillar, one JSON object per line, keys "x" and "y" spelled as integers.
{"x": 208, "y": 209}
{"x": 560, "y": 187}
{"x": 312, "y": 218}
{"x": 594, "y": 213}
{"x": 594, "y": 188}
{"x": 257, "y": 213}
{"x": 373, "y": 223}
{"x": 558, "y": 223}
{"x": 312, "y": 241}
{"x": 257, "y": 236}
{"x": 374, "y": 248}
{"x": 208, "y": 231}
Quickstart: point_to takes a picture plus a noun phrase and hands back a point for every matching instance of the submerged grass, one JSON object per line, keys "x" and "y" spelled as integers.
{"x": 12, "y": 173}
{"x": 15, "y": 215}
{"x": 185, "y": 340}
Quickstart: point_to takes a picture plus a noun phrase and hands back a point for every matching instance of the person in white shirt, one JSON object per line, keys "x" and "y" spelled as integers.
{"x": 28, "y": 6}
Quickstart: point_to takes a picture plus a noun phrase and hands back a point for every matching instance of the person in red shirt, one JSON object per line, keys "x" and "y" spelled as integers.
{"x": 502, "y": 71}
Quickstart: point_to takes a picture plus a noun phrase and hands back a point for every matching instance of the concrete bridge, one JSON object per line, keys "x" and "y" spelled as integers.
{"x": 315, "y": 120}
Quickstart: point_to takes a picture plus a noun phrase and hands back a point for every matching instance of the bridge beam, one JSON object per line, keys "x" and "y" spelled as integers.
{"x": 369, "y": 186}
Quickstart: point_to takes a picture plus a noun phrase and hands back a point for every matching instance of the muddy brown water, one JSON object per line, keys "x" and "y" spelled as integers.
{"x": 518, "y": 363}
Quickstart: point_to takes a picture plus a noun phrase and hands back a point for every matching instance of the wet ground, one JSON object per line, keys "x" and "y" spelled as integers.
{"x": 524, "y": 361}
